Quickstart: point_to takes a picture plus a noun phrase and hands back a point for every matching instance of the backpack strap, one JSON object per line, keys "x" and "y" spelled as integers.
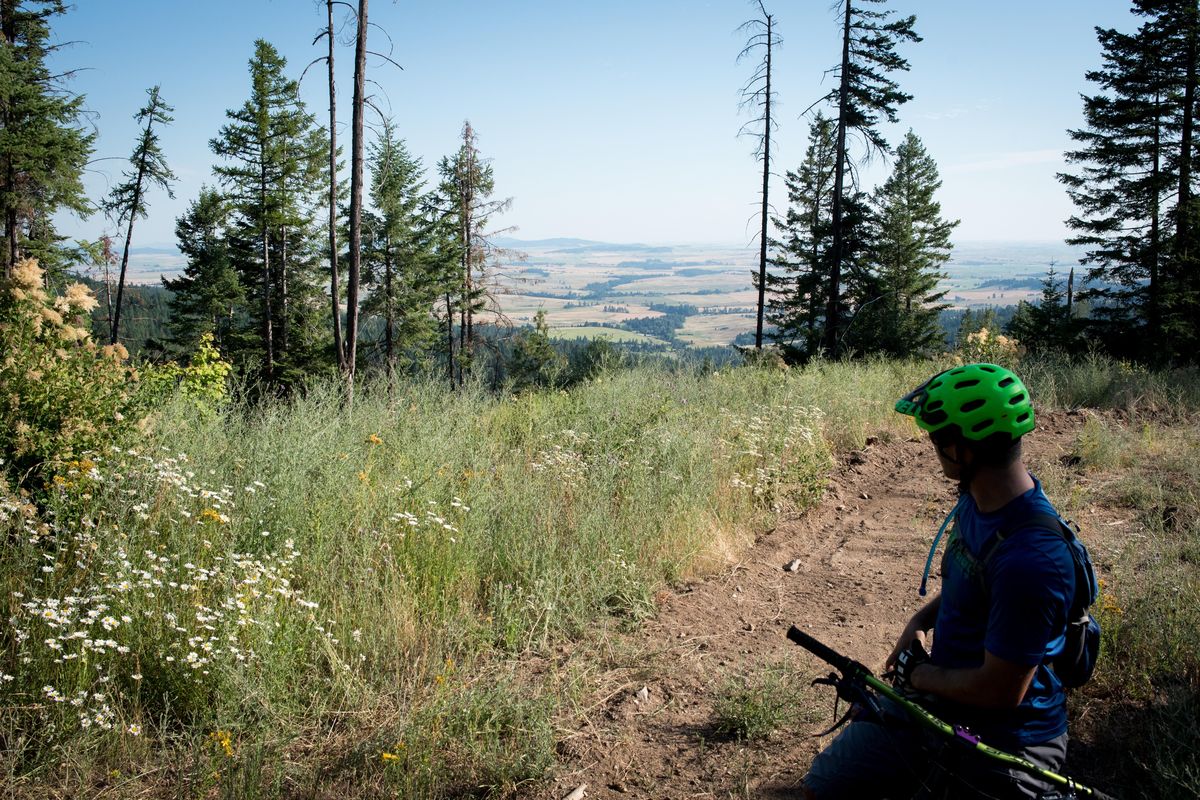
{"x": 1043, "y": 521}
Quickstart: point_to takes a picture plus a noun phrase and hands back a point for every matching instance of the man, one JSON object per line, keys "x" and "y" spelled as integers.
{"x": 1007, "y": 588}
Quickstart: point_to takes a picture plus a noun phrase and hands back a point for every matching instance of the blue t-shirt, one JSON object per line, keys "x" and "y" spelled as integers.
{"x": 1018, "y": 614}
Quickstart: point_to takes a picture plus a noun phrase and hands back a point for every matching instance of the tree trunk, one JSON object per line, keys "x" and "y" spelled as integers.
{"x": 1154, "y": 290}
{"x": 333, "y": 187}
{"x": 356, "y": 192}
{"x": 762, "y": 245}
{"x": 8, "y": 28}
{"x": 467, "y": 334}
{"x": 389, "y": 323}
{"x": 839, "y": 179}
{"x": 137, "y": 201}
{"x": 267, "y": 330}
{"x": 1182, "y": 219}
{"x": 450, "y": 340}
{"x": 107, "y": 256}
{"x": 284, "y": 322}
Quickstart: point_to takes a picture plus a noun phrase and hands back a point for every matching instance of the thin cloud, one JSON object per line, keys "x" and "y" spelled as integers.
{"x": 999, "y": 161}
{"x": 952, "y": 113}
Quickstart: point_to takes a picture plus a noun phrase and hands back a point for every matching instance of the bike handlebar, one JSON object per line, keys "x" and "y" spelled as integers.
{"x": 825, "y": 652}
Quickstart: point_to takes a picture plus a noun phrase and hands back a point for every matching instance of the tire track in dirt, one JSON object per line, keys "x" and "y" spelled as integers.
{"x": 860, "y": 552}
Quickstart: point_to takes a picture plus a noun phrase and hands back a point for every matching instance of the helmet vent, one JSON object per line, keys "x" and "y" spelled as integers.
{"x": 979, "y": 426}
{"x": 934, "y": 406}
{"x": 1023, "y": 417}
{"x": 967, "y": 384}
{"x": 1006, "y": 383}
{"x": 935, "y": 417}
{"x": 935, "y": 384}
{"x": 986, "y": 368}
{"x": 1016, "y": 399}
{"x": 971, "y": 405}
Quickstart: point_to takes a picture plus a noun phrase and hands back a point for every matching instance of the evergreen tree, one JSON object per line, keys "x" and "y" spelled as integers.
{"x": 798, "y": 280}
{"x": 43, "y": 148}
{"x": 864, "y": 93}
{"x": 465, "y": 198}
{"x": 1126, "y": 174}
{"x": 535, "y": 362}
{"x": 1048, "y": 325}
{"x": 275, "y": 157}
{"x": 400, "y": 269}
{"x": 910, "y": 243}
{"x": 127, "y": 201}
{"x": 206, "y": 298}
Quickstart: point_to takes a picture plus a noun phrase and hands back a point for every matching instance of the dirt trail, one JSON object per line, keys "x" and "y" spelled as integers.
{"x": 861, "y": 553}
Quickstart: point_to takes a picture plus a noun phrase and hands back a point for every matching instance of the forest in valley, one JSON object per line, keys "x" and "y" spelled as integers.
{"x": 317, "y": 516}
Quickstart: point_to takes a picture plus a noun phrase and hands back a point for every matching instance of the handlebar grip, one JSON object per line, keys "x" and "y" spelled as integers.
{"x": 821, "y": 651}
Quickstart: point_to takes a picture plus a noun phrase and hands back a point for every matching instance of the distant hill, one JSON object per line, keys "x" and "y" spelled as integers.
{"x": 154, "y": 251}
{"x": 506, "y": 241}
{"x": 570, "y": 245}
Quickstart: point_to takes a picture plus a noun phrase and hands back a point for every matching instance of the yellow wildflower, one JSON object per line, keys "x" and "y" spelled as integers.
{"x": 212, "y": 515}
{"x": 389, "y": 757}
{"x": 373, "y": 439}
{"x": 224, "y": 741}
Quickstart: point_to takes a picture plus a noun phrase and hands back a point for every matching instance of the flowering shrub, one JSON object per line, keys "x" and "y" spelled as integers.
{"x": 142, "y": 600}
{"x": 778, "y": 451}
{"x": 60, "y": 394}
{"x": 986, "y": 346}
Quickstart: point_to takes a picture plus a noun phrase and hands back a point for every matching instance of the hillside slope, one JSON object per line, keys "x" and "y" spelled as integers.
{"x": 860, "y": 554}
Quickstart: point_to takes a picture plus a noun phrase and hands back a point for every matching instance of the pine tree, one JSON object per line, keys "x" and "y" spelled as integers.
{"x": 1174, "y": 28}
{"x": 864, "y": 93}
{"x": 797, "y": 284}
{"x": 1125, "y": 157}
{"x": 911, "y": 241}
{"x": 43, "y": 147}
{"x": 127, "y": 201}
{"x": 535, "y": 362}
{"x": 465, "y": 197}
{"x": 399, "y": 257}
{"x": 206, "y": 298}
{"x": 1048, "y": 325}
{"x": 272, "y": 176}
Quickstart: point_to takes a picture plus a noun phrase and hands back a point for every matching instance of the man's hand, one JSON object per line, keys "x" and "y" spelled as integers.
{"x": 906, "y": 664}
{"x": 917, "y": 630}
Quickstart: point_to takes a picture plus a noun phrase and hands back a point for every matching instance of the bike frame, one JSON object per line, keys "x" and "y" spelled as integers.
{"x": 854, "y": 672}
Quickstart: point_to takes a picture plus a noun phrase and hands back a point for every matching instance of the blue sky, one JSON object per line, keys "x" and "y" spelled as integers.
{"x": 612, "y": 120}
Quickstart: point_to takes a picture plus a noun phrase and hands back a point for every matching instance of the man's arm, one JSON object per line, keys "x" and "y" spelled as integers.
{"x": 921, "y": 623}
{"x": 998, "y": 683}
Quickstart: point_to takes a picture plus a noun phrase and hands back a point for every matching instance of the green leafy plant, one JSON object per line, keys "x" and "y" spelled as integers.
{"x": 757, "y": 705}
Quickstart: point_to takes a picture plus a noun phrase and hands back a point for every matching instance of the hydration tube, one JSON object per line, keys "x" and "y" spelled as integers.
{"x": 933, "y": 547}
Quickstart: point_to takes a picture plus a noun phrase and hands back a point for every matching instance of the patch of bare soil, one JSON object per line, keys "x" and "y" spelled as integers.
{"x": 860, "y": 553}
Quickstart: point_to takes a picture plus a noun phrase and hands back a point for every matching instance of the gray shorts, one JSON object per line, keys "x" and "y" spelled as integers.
{"x": 896, "y": 759}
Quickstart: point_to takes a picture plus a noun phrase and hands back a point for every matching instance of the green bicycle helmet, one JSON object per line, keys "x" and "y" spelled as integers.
{"x": 981, "y": 400}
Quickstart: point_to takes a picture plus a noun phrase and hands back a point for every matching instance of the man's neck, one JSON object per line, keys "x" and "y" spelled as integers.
{"x": 994, "y": 487}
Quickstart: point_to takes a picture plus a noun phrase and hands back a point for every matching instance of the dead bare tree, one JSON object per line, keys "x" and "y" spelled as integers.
{"x": 334, "y": 281}
{"x": 756, "y": 97}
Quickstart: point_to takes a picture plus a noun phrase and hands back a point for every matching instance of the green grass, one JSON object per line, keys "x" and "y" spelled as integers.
{"x": 762, "y": 703}
{"x": 299, "y": 598}
{"x": 1142, "y": 707}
